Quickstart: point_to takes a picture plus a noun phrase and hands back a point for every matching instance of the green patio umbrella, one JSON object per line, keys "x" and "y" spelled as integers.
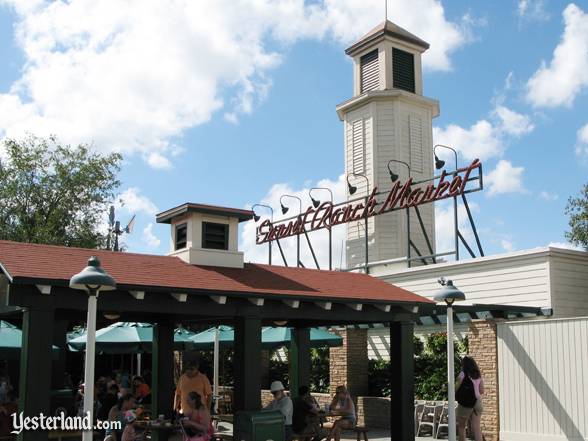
{"x": 270, "y": 338}
{"x": 11, "y": 342}
{"x": 205, "y": 340}
{"x": 128, "y": 338}
{"x": 281, "y": 336}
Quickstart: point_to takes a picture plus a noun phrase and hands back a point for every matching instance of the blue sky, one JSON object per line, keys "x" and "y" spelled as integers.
{"x": 233, "y": 102}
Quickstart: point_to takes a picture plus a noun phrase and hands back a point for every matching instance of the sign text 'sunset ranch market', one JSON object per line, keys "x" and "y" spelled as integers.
{"x": 400, "y": 196}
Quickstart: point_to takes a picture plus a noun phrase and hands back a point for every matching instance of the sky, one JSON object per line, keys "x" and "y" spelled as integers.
{"x": 232, "y": 102}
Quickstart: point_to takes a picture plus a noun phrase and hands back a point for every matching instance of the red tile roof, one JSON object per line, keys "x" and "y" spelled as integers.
{"x": 34, "y": 263}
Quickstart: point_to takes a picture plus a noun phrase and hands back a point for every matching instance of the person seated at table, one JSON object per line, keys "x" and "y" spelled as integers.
{"x": 131, "y": 432}
{"x": 196, "y": 423}
{"x": 7, "y": 408}
{"x": 117, "y": 413}
{"x": 342, "y": 404}
{"x": 140, "y": 389}
{"x": 192, "y": 380}
{"x": 107, "y": 402}
{"x": 306, "y": 419}
{"x": 283, "y": 403}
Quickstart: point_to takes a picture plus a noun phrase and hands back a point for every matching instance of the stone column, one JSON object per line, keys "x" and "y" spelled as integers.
{"x": 348, "y": 364}
{"x": 484, "y": 349}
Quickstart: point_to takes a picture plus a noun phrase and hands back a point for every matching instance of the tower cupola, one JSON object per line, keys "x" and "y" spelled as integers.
{"x": 387, "y": 57}
{"x": 205, "y": 234}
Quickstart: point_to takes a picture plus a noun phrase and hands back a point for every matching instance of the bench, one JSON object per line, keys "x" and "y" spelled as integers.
{"x": 360, "y": 431}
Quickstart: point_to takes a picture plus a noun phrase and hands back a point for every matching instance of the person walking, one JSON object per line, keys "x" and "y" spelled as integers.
{"x": 469, "y": 390}
{"x": 283, "y": 403}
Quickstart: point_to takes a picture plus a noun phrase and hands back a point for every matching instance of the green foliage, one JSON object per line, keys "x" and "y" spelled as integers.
{"x": 577, "y": 210}
{"x": 55, "y": 194}
{"x": 379, "y": 378}
{"x": 430, "y": 368}
{"x": 279, "y": 370}
{"x": 319, "y": 371}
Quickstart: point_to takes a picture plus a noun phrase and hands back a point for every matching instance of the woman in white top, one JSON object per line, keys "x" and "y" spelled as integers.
{"x": 470, "y": 369}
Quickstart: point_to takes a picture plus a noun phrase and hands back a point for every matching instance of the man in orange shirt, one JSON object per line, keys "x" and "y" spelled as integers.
{"x": 192, "y": 380}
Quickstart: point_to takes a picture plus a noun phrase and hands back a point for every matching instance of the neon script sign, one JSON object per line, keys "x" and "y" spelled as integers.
{"x": 400, "y": 196}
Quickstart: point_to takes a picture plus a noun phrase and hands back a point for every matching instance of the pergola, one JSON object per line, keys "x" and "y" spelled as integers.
{"x": 165, "y": 290}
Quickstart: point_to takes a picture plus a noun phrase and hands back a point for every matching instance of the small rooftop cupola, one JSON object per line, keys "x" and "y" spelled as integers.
{"x": 387, "y": 57}
{"x": 205, "y": 234}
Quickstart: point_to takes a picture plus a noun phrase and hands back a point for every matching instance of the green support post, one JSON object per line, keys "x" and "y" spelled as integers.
{"x": 402, "y": 381}
{"x": 162, "y": 389}
{"x": 299, "y": 358}
{"x": 247, "y": 390}
{"x": 35, "y": 368}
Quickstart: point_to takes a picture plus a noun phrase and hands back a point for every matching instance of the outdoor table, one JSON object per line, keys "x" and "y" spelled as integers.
{"x": 225, "y": 418}
{"x": 163, "y": 428}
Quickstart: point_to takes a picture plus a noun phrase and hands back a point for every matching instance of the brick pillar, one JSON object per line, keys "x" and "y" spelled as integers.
{"x": 348, "y": 364}
{"x": 484, "y": 349}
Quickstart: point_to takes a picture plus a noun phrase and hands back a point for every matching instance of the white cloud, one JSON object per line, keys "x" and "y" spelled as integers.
{"x": 149, "y": 238}
{"x": 444, "y": 225}
{"x": 532, "y": 10}
{"x": 513, "y": 123}
{"x": 559, "y": 82}
{"x": 319, "y": 239}
{"x": 157, "y": 160}
{"x": 132, "y": 76}
{"x": 505, "y": 179}
{"x": 548, "y": 196}
{"x": 486, "y": 138}
{"x": 582, "y": 142}
{"x": 507, "y": 245}
{"x": 134, "y": 202}
{"x": 480, "y": 140}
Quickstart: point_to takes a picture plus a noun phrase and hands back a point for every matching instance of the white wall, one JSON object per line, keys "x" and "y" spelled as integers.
{"x": 520, "y": 278}
{"x": 569, "y": 283}
{"x": 543, "y": 383}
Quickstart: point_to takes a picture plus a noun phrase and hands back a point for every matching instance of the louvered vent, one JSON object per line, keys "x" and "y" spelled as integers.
{"x": 403, "y": 70}
{"x": 370, "y": 69}
{"x": 416, "y": 143}
{"x": 357, "y": 133}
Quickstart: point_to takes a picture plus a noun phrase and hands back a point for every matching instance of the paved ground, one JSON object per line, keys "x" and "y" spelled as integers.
{"x": 373, "y": 435}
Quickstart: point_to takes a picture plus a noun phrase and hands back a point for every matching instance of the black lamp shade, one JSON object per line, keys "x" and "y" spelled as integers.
{"x": 393, "y": 176}
{"x": 449, "y": 294}
{"x": 284, "y": 209}
{"x": 256, "y": 217}
{"x": 439, "y": 163}
{"x": 93, "y": 276}
{"x": 352, "y": 189}
{"x": 315, "y": 202}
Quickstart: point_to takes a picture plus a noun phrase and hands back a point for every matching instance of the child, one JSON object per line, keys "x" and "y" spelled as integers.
{"x": 131, "y": 433}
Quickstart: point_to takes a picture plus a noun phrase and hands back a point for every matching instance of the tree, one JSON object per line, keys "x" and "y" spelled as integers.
{"x": 577, "y": 210}
{"x": 55, "y": 194}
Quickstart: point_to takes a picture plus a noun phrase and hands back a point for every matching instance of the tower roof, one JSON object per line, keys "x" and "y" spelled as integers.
{"x": 380, "y": 31}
